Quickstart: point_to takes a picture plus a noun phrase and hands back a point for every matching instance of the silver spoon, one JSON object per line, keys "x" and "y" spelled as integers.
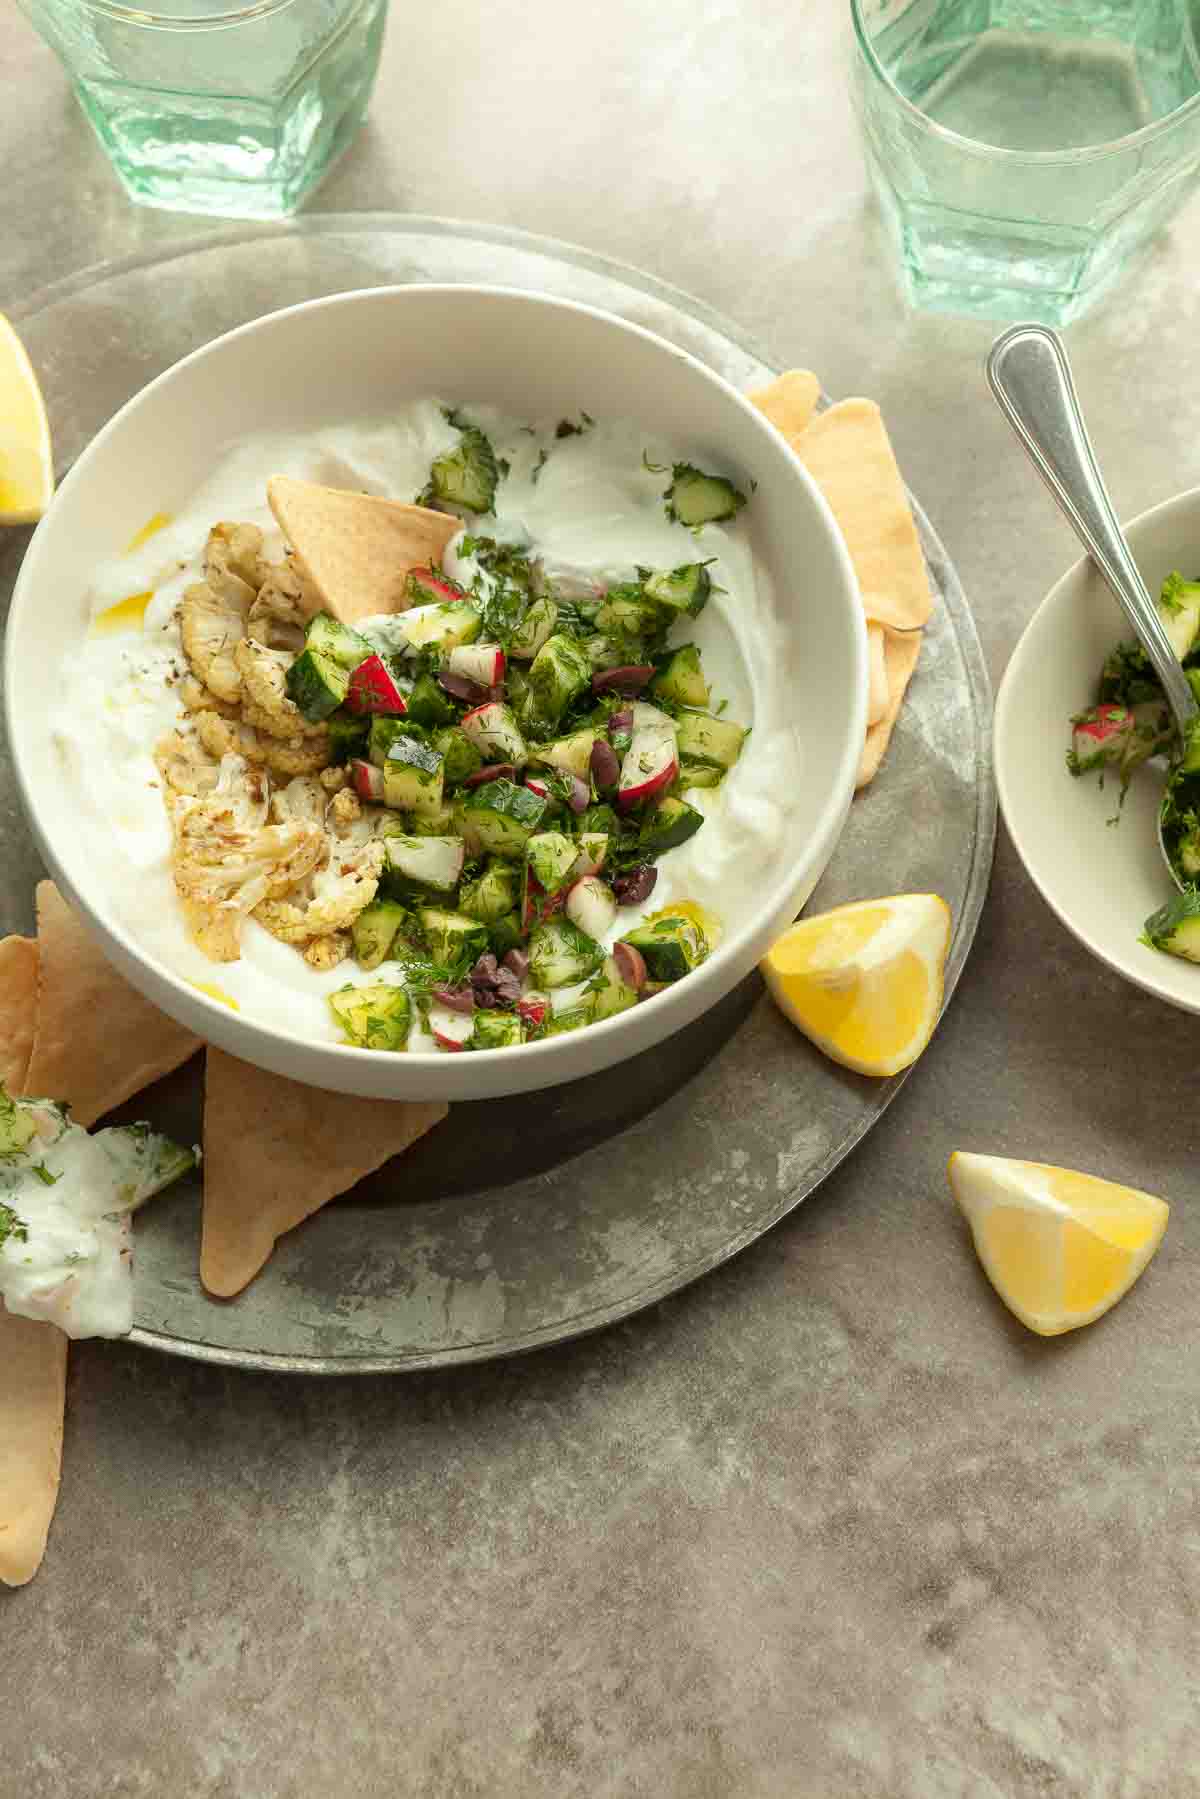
{"x": 1030, "y": 376}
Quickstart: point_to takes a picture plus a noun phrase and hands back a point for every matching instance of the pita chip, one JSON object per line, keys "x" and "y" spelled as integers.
{"x": 877, "y": 684}
{"x": 18, "y": 1009}
{"x": 97, "y": 1042}
{"x": 789, "y": 402}
{"x": 848, "y": 453}
{"x": 275, "y": 1152}
{"x": 33, "y": 1390}
{"x": 901, "y": 654}
{"x": 356, "y": 549}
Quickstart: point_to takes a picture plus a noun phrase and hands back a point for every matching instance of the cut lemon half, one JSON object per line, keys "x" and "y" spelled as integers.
{"x": 865, "y": 982}
{"x": 1060, "y": 1248}
{"x": 26, "y": 465}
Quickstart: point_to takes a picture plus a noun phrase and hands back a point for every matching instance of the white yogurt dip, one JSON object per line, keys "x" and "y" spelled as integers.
{"x": 593, "y": 512}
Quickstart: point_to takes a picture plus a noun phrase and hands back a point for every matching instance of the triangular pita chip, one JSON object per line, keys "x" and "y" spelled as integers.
{"x": 901, "y": 660}
{"x": 356, "y": 549}
{"x": 275, "y": 1152}
{"x": 849, "y": 455}
{"x": 877, "y": 682}
{"x": 790, "y": 401}
{"x": 18, "y": 1008}
{"x": 33, "y": 1389}
{"x": 98, "y": 1042}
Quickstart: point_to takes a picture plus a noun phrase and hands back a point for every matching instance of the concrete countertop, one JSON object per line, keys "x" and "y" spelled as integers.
{"x": 830, "y": 1522}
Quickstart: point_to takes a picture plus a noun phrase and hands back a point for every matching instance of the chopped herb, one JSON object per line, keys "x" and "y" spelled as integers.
{"x": 11, "y": 1226}
{"x": 44, "y": 1175}
{"x": 565, "y": 427}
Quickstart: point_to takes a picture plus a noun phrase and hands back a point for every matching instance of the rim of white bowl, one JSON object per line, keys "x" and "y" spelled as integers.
{"x": 1010, "y": 686}
{"x": 700, "y": 983}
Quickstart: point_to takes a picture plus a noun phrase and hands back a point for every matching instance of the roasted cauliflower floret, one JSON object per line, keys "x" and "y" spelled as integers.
{"x": 334, "y": 779}
{"x": 197, "y": 697}
{"x": 345, "y": 810}
{"x": 266, "y": 706}
{"x": 296, "y": 756}
{"x": 303, "y": 797}
{"x": 228, "y": 860}
{"x": 327, "y": 952}
{"x": 186, "y": 767}
{"x": 225, "y": 737}
{"x": 233, "y": 563}
{"x": 338, "y": 894}
{"x": 279, "y": 616}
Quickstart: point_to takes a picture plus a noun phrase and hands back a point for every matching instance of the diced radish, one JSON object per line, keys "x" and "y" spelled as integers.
{"x": 479, "y": 662}
{"x": 536, "y": 785}
{"x": 437, "y": 587}
{"x": 620, "y": 730}
{"x": 593, "y": 848}
{"x": 646, "y": 717}
{"x": 630, "y": 966}
{"x": 494, "y": 732}
{"x": 591, "y": 906}
{"x": 435, "y": 862}
{"x": 368, "y": 781}
{"x": 536, "y": 903}
{"x": 534, "y": 1007}
{"x": 571, "y": 755}
{"x": 1100, "y": 736}
{"x": 651, "y": 763}
{"x": 492, "y": 771}
{"x": 451, "y": 1030}
{"x": 373, "y": 689}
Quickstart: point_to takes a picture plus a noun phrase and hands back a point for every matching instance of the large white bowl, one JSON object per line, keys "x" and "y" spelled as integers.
{"x": 1102, "y": 879}
{"x": 361, "y": 354}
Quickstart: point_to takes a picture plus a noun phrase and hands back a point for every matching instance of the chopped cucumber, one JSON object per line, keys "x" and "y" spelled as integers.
{"x": 683, "y": 589}
{"x": 537, "y": 626}
{"x": 680, "y": 679}
{"x": 383, "y": 733}
{"x": 435, "y": 823}
{"x": 373, "y": 1017}
{"x": 559, "y": 671}
{"x": 316, "y": 685}
{"x": 347, "y": 736}
{"x": 671, "y": 823}
{"x": 550, "y": 857}
{"x": 458, "y": 754}
{"x": 492, "y": 893}
{"x": 328, "y": 636}
{"x": 1179, "y": 612}
{"x": 452, "y": 937}
{"x": 500, "y": 817}
{"x": 374, "y": 931}
{"x": 671, "y": 946}
{"x": 560, "y": 954}
{"x": 440, "y": 627}
{"x": 695, "y": 499}
{"x": 1175, "y": 927}
{"x": 608, "y": 994}
{"x": 466, "y": 476}
{"x": 699, "y": 774}
{"x": 495, "y": 1030}
{"x": 430, "y": 705}
{"x": 505, "y": 934}
{"x": 713, "y": 742}
{"x": 571, "y": 1018}
{"x": 423, "y": 864}
{"x": 412, "y": 776}
{"x": 627, "y": 612}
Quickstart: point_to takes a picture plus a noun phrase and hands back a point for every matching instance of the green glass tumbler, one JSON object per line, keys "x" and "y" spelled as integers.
{"x": 1022, "y": 150}
{"x": 236, "y": 111}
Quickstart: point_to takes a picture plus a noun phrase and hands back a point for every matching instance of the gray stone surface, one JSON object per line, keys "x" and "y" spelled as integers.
{"x": 829, "y": 1523}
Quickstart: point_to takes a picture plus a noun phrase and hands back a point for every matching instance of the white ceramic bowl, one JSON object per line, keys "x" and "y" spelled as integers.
{"x": 361, "y": 354}
{"x": 1102, "y": 879}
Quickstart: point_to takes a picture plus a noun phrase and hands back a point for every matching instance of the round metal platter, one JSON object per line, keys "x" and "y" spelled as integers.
{"x": 518, "y": 1222}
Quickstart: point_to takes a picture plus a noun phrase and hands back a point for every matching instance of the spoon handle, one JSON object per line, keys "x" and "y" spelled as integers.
{"x": 1031, "y": 378}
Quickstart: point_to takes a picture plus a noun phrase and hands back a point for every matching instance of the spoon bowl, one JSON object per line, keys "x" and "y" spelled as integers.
{"x": 1030, "y": 376}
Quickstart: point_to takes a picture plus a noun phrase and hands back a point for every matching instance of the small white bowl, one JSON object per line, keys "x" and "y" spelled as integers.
{"x": 1102, "y": 879}
{"x": 364, "y": 354}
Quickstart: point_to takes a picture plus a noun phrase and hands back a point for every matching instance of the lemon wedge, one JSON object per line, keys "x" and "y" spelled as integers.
{"x": 26, "y": 468}
{"x": 1060, "y": 1248}
{"x": 865, "y": 981}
